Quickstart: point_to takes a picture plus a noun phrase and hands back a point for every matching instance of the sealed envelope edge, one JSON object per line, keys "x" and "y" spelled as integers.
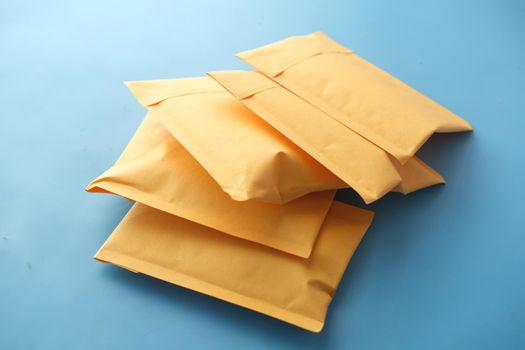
{"x": 151, "y": 92}
{"x": 273, "y": 59}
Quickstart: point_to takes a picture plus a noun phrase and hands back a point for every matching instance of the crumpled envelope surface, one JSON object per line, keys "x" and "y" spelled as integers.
{"x": 247, "y": 157}
{"x": 365, "y": 167}
{"x": 156, "y": 170}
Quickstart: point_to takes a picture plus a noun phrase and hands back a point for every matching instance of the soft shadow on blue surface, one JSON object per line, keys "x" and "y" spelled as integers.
{"x": 180, "y": 300}
{"x": 439, "y": 269}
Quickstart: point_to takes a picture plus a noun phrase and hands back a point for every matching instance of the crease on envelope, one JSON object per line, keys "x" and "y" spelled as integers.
{"x": 277, "y": 284}
{"x": 368, "y": 169}
{"x": 243, "y": 153}
{"x": 353, "y": 91}
{"x": 156, "y": 170}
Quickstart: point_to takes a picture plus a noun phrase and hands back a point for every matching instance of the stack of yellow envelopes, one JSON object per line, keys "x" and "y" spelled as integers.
{"x": 234, "y": 174}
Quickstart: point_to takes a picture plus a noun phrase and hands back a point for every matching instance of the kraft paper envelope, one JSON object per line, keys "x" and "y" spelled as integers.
{"x": 266, "y": 280}
{"x": 156, "y": 170}
{"x": 358, "y": 94}
{"x": 244, "y": 154}
{"x": 368, "y": 169}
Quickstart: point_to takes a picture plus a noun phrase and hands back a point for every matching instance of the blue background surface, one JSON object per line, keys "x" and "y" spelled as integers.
{"x": 439, "y": 269}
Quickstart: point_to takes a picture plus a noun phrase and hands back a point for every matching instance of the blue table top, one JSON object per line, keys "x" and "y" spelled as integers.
{"x": 439, "y": 269}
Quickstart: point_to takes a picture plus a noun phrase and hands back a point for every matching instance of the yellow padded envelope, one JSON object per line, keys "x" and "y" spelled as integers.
{"x": 156, "y": 170}
{"x": 280, "y": 285}
{"x": 368, "y": 169}
{"x": 358, "y": 94}
{"x": 244, "y": 154}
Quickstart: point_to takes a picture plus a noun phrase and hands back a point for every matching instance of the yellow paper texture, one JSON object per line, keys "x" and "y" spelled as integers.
{"x": 368, "y": 169}
{"x": 358, "y": 94}
{"x": 280, "y": 285}
{"x": 156, "y": 170}
{"x": 246, "y": 156}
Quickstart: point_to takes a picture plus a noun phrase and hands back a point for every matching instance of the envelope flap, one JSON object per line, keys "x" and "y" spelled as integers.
{"x": 241, "y": 83}
{"x": 274, "y": 58}
{"x": 150, "y": 92}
